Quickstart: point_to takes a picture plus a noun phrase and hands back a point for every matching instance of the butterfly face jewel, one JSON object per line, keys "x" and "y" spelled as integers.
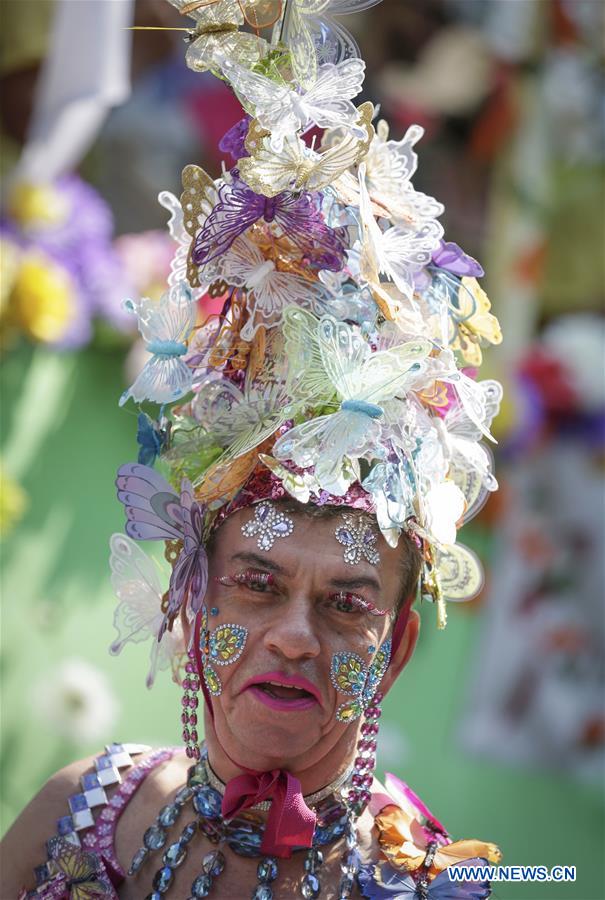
{"x": 268, "y": 524}
{"x": 359, "y": 540}
{"x": 221, "y": 647}
{"x": 350, "y": 675}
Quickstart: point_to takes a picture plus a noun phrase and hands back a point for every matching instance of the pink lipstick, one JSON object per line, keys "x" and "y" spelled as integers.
{"x": 283, "y": 692}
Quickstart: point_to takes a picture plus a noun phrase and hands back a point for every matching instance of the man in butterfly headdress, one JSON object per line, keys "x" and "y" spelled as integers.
{"x": 323, "y": 447}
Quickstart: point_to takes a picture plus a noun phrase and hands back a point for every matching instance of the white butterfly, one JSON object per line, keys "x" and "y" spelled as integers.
{"x": 245, "y": 266}
{"x": 217, "y": 34}
{"x": 165, "y": 328}
{"x": 460, "y": 436}
{"x": 136, "y": 583}
{"x": 339, "y": 362}
{"x": 182, "y": 238}
{"x": 311, "y": 37}
{"x": 390, "y": 166}
{"x": 296, "y": 167}
{"x": 397, "y": 252}
{"x": 240, "y": 420}
{"x": 285, "y": 112}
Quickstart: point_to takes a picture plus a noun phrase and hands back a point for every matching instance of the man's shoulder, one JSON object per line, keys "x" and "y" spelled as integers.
{"x": 73, "y": 799}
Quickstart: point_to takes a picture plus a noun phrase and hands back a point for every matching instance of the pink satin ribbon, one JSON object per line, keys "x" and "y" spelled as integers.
{"x": 290, "y": 823}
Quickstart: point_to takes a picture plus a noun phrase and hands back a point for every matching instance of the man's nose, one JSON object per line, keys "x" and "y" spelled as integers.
{"x": 293, "y": 632}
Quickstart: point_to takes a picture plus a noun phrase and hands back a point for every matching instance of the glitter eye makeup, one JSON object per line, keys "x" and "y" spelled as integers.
{"x": 256, "y": 581}
{"x": 344, "y": 601}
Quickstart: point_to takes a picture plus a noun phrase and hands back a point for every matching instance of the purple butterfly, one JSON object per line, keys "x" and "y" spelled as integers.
{"x": 298, "y": 215}
{"x": 154, "y": 512}
{"x": 233, "y": 141}
{"x": 383, "y": 882}
{"x": 451, "y": 257}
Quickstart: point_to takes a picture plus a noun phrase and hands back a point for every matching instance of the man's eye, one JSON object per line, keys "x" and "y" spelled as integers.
{"x": 346, "y": 602}
{"x": 255, "y": 581}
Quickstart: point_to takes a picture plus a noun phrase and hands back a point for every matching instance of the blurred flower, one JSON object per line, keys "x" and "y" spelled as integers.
{"x": 36, "y": 206}
{"x": 146, "y": 259}
{"x": 43, "y": 298}
{"x": 13, "y": 503}
{"x": 77, "y": 702}
{"x": 577, "y": 343}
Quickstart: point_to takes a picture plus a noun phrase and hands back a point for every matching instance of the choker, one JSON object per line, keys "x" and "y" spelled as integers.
{"x": 264, "y": 805}
{"x": 243, "y": 834}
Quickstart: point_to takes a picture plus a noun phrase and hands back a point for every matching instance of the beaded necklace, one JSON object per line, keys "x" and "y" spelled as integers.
{"x": 336, "y": 807}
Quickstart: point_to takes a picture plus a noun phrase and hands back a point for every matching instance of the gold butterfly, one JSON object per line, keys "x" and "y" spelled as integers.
{"x": 296, "y": 167}
{"x": 217, "y": 32}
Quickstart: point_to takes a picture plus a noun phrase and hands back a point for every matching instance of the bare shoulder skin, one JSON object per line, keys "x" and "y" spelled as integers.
{"x": 24, "y": 845}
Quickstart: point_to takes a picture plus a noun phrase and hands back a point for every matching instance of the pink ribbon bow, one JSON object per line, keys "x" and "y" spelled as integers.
{"x": 290, "y": 823}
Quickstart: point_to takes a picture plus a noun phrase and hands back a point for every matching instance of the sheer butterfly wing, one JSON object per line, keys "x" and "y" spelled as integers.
{"x": 153, "y": 509}
{"x": 331, "y": 164}
{"x": 215, "y": 405}
{"x": 328, "y": 101}
{"x": 343, "y": 352}
{"x": 441, "y": 887}
{"x": 474, "y": 400}
{"x": 383, "y": 881}
{"x": 390, "y": 371}
{"x": 236, "y": 210}
{"x": 162, "y": 380}
{"x": 276, "y": 107}
{"x": 307, "y": 377}
{"x": 300, "y": 218}
{"x": 274, "y": 293}
{"x": 402, "y": 252}
{"x": 222, "y": 481}
{"x": 207, "y": 52}
{"x": 459, "y": 571}
{"x": 298, "y": 38}
{"x": 472, "y": 483}
{"x": 138, "y": 616}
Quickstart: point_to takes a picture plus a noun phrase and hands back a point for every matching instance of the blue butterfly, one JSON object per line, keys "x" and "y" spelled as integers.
{"x": 165, "y": 327}
{"x": 383, "y": 882}
{"x": 152, "y": 438}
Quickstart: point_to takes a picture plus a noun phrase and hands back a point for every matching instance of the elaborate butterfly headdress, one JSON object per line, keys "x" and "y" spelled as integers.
{"x": 342, "y": 368}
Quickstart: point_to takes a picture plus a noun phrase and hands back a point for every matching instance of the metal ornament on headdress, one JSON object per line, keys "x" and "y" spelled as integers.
{"x": 268, "y": 524}
{"x": 359, "y": 540}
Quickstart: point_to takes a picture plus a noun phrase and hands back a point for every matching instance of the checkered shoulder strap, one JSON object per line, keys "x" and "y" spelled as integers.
{"x": 95, "y": 831}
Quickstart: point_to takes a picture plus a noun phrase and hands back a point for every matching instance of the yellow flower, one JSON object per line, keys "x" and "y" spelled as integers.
{"x": 13, "y": 503}
{"x": 478, "y": 325}
{"x": 42, "y": 299}
{"x": 35, "y": 206}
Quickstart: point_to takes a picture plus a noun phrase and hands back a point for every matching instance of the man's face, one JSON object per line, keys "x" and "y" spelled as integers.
{"x": 295, "y": 626}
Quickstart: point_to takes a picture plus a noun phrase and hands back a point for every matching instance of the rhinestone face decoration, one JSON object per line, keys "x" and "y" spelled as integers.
{"x": 350, "y": 675}
{"x": 220, "y": 647}
{"x": 359, "y": 540}
{"x": 267, "y": 524}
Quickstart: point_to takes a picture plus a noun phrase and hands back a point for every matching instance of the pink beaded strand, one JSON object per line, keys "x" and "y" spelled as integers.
{"x": 189, "y": 703}
{"x": 365, "y": 762}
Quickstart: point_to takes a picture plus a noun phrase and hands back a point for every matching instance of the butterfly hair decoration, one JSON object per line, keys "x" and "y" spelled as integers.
{"x": 139, "y": 615}
{"x": 217, "y": 33}
{"x": 238, "y": 208}
{"x": 165, "y": 328}
{"x": 155, "y": 512}
{"x": 382, "y": 881}
{"x": 283, "y": 111}
{"x": 296, "y": 167}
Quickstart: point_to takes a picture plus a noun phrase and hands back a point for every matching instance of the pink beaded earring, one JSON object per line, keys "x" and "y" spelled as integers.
{"x": 189, "y": 703}
{"x": 365, "y": 762}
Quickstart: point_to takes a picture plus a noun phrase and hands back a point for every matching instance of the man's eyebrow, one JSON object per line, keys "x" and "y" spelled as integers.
{"x": 256, "y": 559}
{"x": 358, "y": 581}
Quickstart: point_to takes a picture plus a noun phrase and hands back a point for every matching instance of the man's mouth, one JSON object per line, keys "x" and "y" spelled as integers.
{"x": 283, "y": 692}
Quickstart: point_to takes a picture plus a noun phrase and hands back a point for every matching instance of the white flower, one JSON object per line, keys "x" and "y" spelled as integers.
{"x": 77, "y": 702}
{"x": 443, "y": 507}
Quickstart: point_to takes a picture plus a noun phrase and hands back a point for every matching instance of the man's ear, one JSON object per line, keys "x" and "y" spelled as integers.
{"x": 403, "y": 653}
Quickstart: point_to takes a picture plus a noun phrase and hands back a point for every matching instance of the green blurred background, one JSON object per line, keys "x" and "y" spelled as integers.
{"x": 63, "y": 435}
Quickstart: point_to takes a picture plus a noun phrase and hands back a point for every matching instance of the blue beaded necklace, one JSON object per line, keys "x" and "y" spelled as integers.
{"x": 336, "y": 818}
